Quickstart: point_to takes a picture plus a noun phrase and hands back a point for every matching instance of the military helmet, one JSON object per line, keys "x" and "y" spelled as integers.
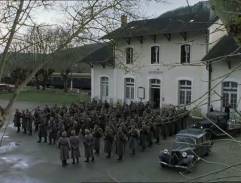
{"x": 72, "y": 132}
{"x": 64, "y": 133}
{"x": 87, "y": 131}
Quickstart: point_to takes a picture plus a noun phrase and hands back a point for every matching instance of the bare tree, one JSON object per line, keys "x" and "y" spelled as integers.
{"x": 14, "y": 15}
{"x": 83, "y": 17}
{"x": 229, "y": 12}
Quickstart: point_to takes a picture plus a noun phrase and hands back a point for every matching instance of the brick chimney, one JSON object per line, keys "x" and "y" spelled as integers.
{"x": 123, "y": 20}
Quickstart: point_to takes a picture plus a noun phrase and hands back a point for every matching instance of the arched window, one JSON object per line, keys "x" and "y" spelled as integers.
{"x": 155, "y": 54}
{"x": 230, "y": 94}
{"x": 185, "y": 53}
{"x": 104, "y": 87}
{"x": 129, "y": 88}
{"x": 185, "y": 92}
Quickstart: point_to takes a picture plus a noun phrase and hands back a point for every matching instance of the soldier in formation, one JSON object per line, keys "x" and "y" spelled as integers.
{"x": 120, "y": 128}
{"x": 88, "y": 142}
{"x": 75, "y": 147}
{"x": 64, "y": 147}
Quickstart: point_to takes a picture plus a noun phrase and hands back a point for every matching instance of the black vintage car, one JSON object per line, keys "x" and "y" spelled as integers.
{"x": 217, "y": 122}
{"x": 189, "y": 146}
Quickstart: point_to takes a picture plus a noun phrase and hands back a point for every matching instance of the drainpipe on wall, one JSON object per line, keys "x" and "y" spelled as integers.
{"x": 209, "y": 67}
{"x": 209, "y": 84}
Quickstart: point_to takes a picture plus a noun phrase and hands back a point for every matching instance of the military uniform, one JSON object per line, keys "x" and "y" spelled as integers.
{"x": 42, "y": 131}
{"x": 164, "y": 129}
{"x": 24, "y": 122}
{"x": 157, "y": 130}
{"x": 52, "y": 131}
{"x": 88, "y": 142}
{"x": 120, "y": 143}
{"x": 133, "y": 139}
{"x": 64, "y": 147}
{"x": 149, "y": 135}
{"x": 29, "y": 122}
{"x": 97, "y": 134}
{"x": 74, "y": 145}
{"x": 36, "y": 118}
{"x": 17, "y": 120}
{"x": 108, "y": 139}
{"x": 143, "y": 137}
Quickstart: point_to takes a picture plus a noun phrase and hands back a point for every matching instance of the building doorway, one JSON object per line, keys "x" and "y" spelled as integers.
{"x": 155, "y": 93}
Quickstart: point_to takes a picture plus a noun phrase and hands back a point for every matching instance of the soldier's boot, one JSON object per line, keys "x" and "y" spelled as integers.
{"x": 25, "y": 131}
{"x": 36, "y": 128}
{"x": 93, "y": 159}
{"x": 77, "y": 159}
{"x": 45, "y": 139}
{"x": 97, "y": 151}
{"x": 73, "y": 161}
{"x": 29, "y": 132}
{"x": 64, "y": 163}
{"x": 50, "y": 141}
{"x": 164, "y": 136}
{"x": 133, "y": 151}
{"x": 108, "y": 155}
{"x": 143, "y": 147}
{"x": 18, "y": 129}
{"x": 150, "y": 143}
{"x": 157, "y": 140}
{"x": 39, "y": 140}
{"x": 87, "y": 160}
{"x": 120, "y": 158}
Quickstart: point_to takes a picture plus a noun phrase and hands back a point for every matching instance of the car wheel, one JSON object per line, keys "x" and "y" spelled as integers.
{"x": 163, "y": 166}
{"x": 189, "y": 168}
{"x": 209, "y": 135}
{"x": 207, "y": 153}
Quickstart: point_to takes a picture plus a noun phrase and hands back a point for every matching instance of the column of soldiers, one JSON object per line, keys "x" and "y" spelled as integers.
{"x": 122, "y": 127}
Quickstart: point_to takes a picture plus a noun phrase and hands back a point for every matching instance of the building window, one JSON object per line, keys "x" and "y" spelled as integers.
{"x": 155, "y": 55}
{"x": 185, "y": 53}
{"x": 230, "y": 94}
{"x": 129, "y": 88}
{"x": 129, "y": 55}
{"x": 185, "y": 92}
{"x": 104, "y": 87}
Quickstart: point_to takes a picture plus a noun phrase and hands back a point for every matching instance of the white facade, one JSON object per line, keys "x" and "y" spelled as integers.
{"x": 223, "y": 73}
{"x": 168, "y": 72}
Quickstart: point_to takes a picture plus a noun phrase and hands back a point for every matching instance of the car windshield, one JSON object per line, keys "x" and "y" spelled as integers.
{"x": 185, "y": 140}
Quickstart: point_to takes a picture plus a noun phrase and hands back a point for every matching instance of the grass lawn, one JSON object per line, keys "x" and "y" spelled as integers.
{"x": 48, "y": 96}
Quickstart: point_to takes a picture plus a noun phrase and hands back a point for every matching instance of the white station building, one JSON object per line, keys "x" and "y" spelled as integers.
{"x": 171, "y": 59}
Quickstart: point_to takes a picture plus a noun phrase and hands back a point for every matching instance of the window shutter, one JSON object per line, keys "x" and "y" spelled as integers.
{"x": 152, "y": 55}
{"x": 183, "y": 54}
{"x": 131, "y": 56}
{"x": 127, "y": 55}
{"x": 187, "y": 50}
{"x": 157, "y": 59}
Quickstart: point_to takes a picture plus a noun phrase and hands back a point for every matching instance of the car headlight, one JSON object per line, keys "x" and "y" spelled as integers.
{"x": 184, "y": 154}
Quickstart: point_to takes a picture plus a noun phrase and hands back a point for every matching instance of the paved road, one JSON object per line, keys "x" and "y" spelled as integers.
{"x": 30, "y": 162}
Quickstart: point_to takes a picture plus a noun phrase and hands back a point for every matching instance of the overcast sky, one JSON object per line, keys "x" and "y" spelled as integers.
{"x": 148, "y": 8}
